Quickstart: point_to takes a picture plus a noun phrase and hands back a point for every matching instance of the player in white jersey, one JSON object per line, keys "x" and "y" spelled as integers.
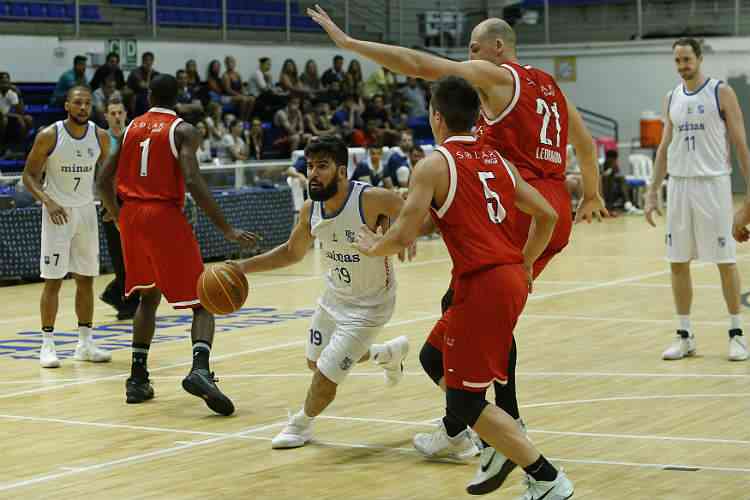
{"x": 702, "y": 118}
{"x": 359, "y": 292}
{"x": 59, "y": 172}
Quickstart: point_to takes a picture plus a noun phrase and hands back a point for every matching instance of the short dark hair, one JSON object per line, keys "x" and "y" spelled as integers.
{"x": 264, "y": 60}
{"x": 338, "y": 57}
{"x": 77, "y": 88}
{"x": 329, "y": 147}
{"x": 114, "y": 101}
{"x": 177, "y": 74}
{"x": 78, "y": 59}
{"x": 457, "y": 101}
{"x": 5, "y": 73}
{"x": 163, "y": 90}
{"x": 689, "y": 42}
{"x": 147, "y": 54}
{"x": 113, "y": 54}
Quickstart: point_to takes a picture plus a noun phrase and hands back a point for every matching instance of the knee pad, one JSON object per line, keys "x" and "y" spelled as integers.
{"x": 465, "y": 406}
{"x": 446, "y": 301}
{"x": 432, "y": 362}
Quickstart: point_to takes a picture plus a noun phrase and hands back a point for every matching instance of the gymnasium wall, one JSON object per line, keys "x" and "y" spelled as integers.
{"x": 44, "y": 58}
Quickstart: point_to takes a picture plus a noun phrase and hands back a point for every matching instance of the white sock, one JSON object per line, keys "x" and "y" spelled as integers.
{"x": 84, "y": 334}
{"x": 48, "y": 336}
{"x": 684, "y": 322}
{"x": 380, "y": 353}
{"x": 735, "y": 322}
{"x": 300, "y": 418}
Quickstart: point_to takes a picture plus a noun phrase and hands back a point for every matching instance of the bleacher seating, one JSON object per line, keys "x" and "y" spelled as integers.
{"x": 48, "y": 11}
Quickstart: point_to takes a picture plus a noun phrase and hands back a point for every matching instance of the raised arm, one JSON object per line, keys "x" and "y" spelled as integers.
{"x": 482, "y": 74}
{"x": 592, "y": 205}
{"x": 660, "y": 167}
{"x": 288, "y": 253}
{"x": 188, "y": 139}
{"x": 34, "y": 170}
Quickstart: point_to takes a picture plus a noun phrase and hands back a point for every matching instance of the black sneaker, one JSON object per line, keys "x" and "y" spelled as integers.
{"x": 127, "y": 311}
{"x": 202, "y": 383}
{"x": 138, "y": 390}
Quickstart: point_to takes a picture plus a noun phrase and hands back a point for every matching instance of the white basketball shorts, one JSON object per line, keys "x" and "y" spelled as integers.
{"x": 71, "y": 247}
{"x": 699, "y": 220}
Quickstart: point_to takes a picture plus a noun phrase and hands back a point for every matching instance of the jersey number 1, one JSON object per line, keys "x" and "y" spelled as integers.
{"x": 497, "y": 215}
{"x": 144, "y": 157}
{"x": 544, "y": 109}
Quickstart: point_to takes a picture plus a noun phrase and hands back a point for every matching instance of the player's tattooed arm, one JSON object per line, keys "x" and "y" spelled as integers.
{"x": 288, "y": 253}
{"x": 34, "y": 170}
{"x": 105, "y": 181}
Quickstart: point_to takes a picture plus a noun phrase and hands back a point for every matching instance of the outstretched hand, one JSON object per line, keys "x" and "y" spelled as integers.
{"x": 244, "y": 238}
{"x": 336, "y": 34}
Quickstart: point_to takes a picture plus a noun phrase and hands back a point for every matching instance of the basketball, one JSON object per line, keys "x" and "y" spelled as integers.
{"x": 222, "y": 288}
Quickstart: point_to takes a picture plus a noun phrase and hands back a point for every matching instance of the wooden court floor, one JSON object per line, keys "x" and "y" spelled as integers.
{"x": 593, "y": 390}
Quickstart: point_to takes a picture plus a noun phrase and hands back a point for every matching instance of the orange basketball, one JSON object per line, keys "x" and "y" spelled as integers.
{"x": 222, "y": 288}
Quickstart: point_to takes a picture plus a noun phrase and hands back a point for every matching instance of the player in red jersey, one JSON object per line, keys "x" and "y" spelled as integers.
{"x": 472, "y": 194}
{"x": 154, "y": 164}
{"x": 529, "y": 120}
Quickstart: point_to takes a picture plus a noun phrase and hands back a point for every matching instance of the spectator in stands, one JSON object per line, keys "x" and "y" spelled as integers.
{"x": 318, "y": 120}
{"x": 214, "y": 84}
{"x": 110, "y": 68}
{"x": 398, "y": 112}
{"x": 189, "y": 106}
{"x": 288, "y": 79}
{"x": 71, "y": 78}
{"x": 101, "y": 98}
{"x": 203, "y": 153}
{"x": 378, "y": 113}
{"x": 334, "y": 76}
{"x": 416, "y": 98}
{"x": 398, "y": 169}
{"x": 297, "y": 182}
{"x": 370, "y": 169}
{"x": 214, "y": 121}
{"x": 310, "y": 80}
{"x": 231, "y": 83}
{"x": 14, "y": 122}
{"x": 290, "y": 120}
{"x": 139, "y": 81}
{"x": 235, "y": 144}
{"x": 254, "y": 138}
{"x": 380, "y": 82}
{"x": 354, "y": 84}
{"x": 261, "y": 81}
{"x": 193, "y": 77}
{"x": 348, "y": 117}
{"x": 613, "y": 181}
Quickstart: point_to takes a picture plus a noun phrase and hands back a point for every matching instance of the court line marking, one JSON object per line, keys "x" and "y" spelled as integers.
{"x": 214, "y": 359}
{"x": 632, "y": 285}
{"x": 634, "y": 398}
{"x": 576, "y": 317}
{"x": 140, "y": 457}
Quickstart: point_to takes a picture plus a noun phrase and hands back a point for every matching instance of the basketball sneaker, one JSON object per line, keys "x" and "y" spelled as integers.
{"x": 87, "y": 350}
{"x": 682, "y": 346}
{"x": 559, "y": 489}
{"x": 494, "y": 468}
{"x": 737, "y": 345}
{"x": 48, "y": 354}
{"x": 138, "y": 390}
{"x": 202, "y": 383}
{"x": 439, "y": 444}
{"x": 394, "y": 367}
{"x": 297, "y": 433}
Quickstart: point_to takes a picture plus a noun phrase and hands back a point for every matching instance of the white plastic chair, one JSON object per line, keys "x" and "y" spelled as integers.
{"x": 642, "y": 172}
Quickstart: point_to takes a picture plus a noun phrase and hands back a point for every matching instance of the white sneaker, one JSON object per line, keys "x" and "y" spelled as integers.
{"x": 438, "y": 444}
{"x": 394, "y": 368}
{"x": 48, "y": 355}
{"x": 294, "y": 435}
{"x": 89, "y": 351}
{"x": 683, "y": 345}
{"x": 737, "y": 347}
{"x": 493, "y": 470}
{"x": 559, "y": 489}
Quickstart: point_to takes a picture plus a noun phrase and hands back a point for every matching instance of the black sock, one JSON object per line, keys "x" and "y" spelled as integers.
{"x": 542, "y": 470}
{"x": 201, "y": 352}
{"x": 453, "y": 426}
{"x": 140, "y": 359}
{"x": 87, "y": 325}
{"x": 505, "y": 395}
{"x": 48, "y": 329}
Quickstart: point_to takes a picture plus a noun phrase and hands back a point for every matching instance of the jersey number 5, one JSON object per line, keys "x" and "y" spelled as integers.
{"x": 144, "y": 156}
{"x": 497, "y": 214}
{"x": 544, "y": 109}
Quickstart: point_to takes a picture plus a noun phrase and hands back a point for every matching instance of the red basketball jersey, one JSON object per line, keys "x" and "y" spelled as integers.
{"x": 148, "y": 169}
{"x": 481, "y": 198}
{"x": 532, "y": 132}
